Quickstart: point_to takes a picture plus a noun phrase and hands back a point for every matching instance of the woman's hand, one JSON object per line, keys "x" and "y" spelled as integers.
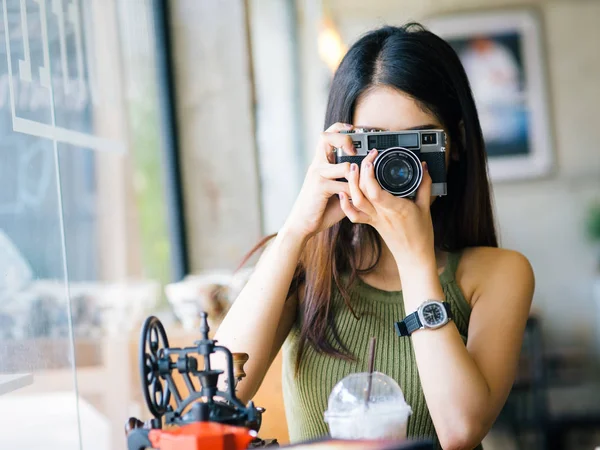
{"x": 405, "y": 225}
{"x": 317, "y": 206}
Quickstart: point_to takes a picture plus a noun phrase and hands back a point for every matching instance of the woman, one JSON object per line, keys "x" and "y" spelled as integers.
{"x": 352, "y": 259}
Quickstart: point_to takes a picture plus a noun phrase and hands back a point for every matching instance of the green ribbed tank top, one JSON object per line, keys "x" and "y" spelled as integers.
{"x": 306, "y": 395}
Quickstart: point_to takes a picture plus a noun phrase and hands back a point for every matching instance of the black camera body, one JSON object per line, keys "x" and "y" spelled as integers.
{"x": 398, "y": 165}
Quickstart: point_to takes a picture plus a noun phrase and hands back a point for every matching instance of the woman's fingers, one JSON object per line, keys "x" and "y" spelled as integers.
{"x": 339, "y": 126}
{"x": 368, "y": 183}
{"x": 333, "y": 171}
{"x": 423, "y": 197}
{"x": 359, "y": 200}
{"x": 331, "y": 187}
{"x": 352, "y": 213}
{"x": 332, "y": 139}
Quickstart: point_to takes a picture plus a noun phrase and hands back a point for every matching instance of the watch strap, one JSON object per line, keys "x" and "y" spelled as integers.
{"x": 409, "y": 325}
{"x": 412, "y": 323}
{"x": 448, "y": 310}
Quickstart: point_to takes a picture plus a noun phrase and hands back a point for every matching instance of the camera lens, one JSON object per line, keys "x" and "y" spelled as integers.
{"x": 398, "y": 171}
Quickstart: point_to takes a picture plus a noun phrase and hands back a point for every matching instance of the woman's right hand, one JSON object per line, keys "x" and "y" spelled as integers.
{"x": 317, "y": 206}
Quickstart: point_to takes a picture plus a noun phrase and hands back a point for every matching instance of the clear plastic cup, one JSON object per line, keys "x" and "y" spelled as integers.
{"x": 384, "y": 416}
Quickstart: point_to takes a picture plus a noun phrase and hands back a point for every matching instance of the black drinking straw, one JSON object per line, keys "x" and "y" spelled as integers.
{"x": 371, "y": 367}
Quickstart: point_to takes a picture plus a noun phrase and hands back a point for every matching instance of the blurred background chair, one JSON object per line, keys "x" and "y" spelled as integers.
{"x": 553, "y": 403}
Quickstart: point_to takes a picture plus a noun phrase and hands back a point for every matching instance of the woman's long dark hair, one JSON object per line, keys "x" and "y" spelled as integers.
{"x": 425, "y": 67}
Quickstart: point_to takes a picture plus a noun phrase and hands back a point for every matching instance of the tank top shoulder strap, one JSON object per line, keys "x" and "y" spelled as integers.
{"x": 452, "y": 261}
{"x": 454, "y": 295}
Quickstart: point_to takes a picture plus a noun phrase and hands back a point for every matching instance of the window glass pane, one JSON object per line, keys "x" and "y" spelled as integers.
{"x": 84, "y": 232}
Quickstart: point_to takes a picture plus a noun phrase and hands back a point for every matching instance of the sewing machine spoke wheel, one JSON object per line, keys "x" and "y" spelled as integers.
{"x": 153, "y": 341}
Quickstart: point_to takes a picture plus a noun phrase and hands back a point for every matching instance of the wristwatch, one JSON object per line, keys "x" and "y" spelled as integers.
{"x": 431, "y": 314}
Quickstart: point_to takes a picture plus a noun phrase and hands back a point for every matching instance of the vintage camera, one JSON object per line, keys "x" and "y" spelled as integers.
{"x": 398, "y": 165}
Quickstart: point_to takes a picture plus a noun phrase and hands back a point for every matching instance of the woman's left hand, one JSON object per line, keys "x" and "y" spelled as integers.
{"x": 405, "y": 225}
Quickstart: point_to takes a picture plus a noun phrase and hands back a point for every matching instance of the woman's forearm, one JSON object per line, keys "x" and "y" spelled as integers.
{"x": 251, "y": 323}
{"x": 456, "y": 392}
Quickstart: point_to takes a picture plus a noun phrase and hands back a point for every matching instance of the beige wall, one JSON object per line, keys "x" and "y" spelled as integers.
{"x": 216, "y": 128}
{"x": 118, "y": 219}
{"x": 276, "y": 83}
{"x": 541, "y": 218}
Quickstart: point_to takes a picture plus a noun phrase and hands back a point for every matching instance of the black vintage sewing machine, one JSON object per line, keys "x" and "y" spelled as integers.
{"x": 200, "y": 418}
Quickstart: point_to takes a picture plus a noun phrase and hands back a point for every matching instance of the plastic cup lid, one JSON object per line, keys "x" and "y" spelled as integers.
{"x": 348, "y": 397}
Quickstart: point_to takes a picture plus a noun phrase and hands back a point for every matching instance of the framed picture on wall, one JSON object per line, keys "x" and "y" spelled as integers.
{"x": 502, "y": 53}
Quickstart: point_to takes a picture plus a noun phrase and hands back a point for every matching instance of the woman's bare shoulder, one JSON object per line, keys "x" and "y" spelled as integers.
{"x": 483, "y": 268}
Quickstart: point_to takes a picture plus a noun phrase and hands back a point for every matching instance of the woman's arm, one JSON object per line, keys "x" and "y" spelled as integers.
{"x": 260, "y": 318}
{"x": 466, "y": 387}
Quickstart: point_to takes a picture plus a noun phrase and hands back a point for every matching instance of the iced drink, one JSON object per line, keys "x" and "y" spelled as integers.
{"x": 384, "y": 415}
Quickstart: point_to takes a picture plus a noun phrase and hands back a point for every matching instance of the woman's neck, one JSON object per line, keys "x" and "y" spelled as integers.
{"x": 387, "y": 267}
{"x": 386, "y": 276}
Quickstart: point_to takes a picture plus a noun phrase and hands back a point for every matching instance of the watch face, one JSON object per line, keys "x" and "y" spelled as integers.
{"x": 433, "y": 314}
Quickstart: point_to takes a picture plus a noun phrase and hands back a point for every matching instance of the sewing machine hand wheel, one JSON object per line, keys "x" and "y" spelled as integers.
{"x": 153, "y": 341}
